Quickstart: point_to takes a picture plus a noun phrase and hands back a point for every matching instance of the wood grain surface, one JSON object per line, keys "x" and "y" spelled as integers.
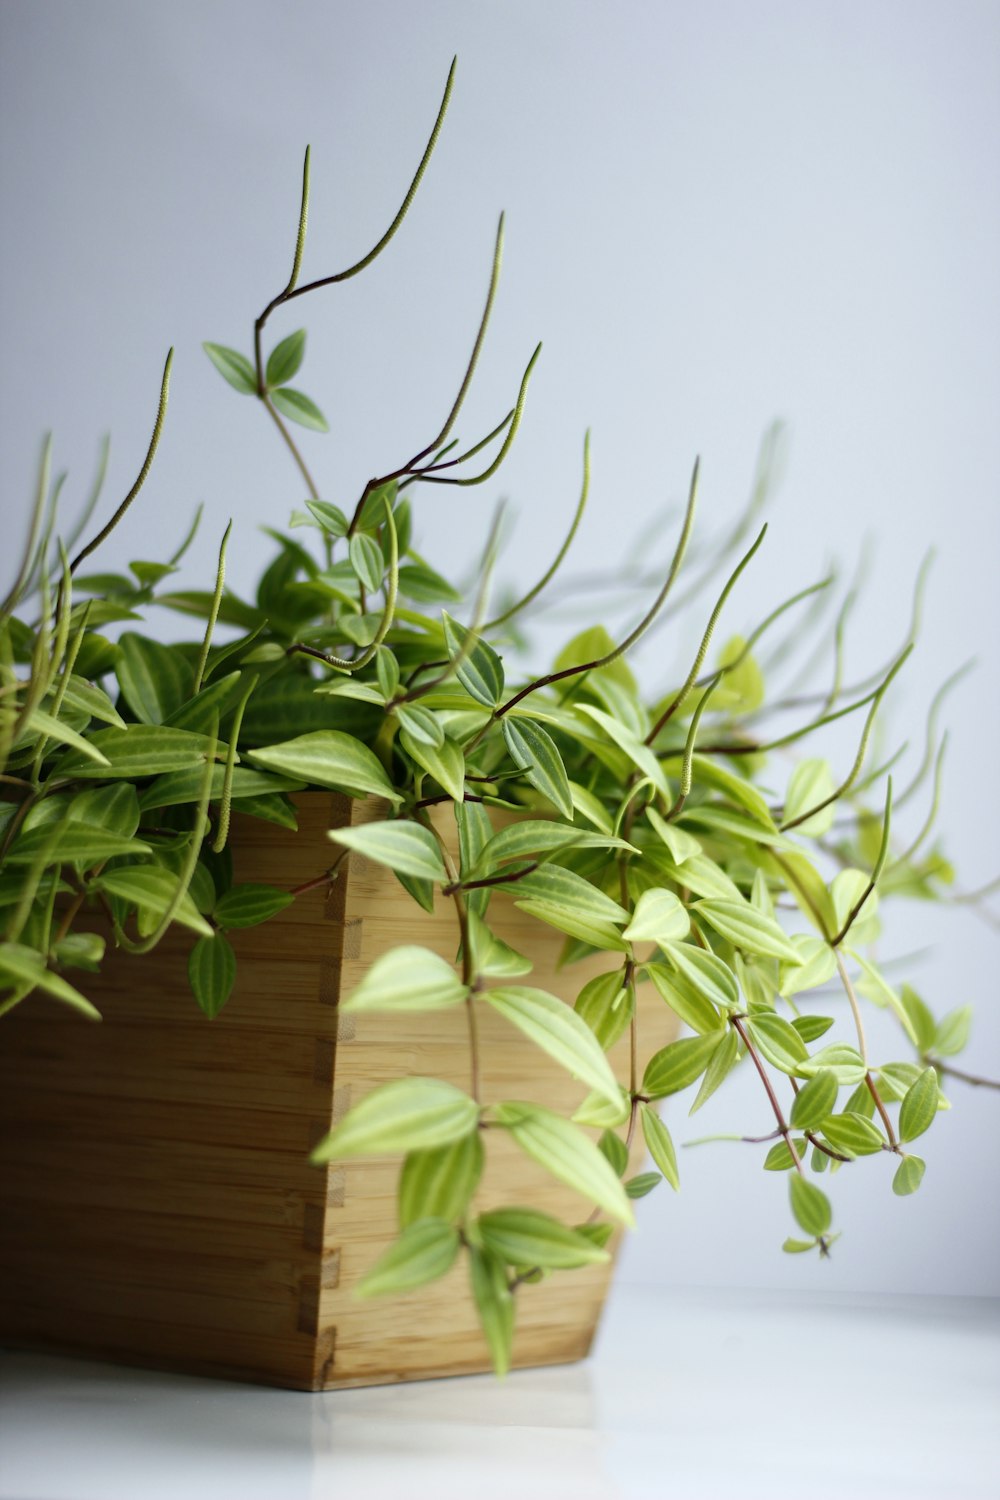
{"x": 158, "y": 1203}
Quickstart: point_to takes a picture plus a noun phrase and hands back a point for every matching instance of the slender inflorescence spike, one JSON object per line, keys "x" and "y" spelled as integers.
{"x": 190, "y": 536}
{"x": 404, "y": 207}
{"x": 300, "y": 238}
{"x": 764, "y": 484}
{"x": 354, "y": 664}
{"x": 213, "y": 613}
{"x": 186, "y": 873}
{"x": 932, "y": 812}
{"x": 634, "y": 635}
{"x": 706, "y": 639}
{"x": 553, "y": 568}
{"x": 34, "y": 530}
{"x": 765, "y": 625}
{"x": 883, "y": 852}
{"x": 477, "y": 346}
{"x": 852, "y": 775}
{"x": 103, "y": 454}
{"x": 687, "y": 766}
{"x": 515, "y": 422}
{"x": 930, "y": 739}
{"x": 147, "y": 463}
{"x": 226, "y": 800}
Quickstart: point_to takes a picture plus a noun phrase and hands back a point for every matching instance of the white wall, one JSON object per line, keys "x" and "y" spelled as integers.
{"x": 717, "y": 214}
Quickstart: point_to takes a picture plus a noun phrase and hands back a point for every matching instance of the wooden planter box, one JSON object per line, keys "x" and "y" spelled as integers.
{"x": 159, "y": 1206}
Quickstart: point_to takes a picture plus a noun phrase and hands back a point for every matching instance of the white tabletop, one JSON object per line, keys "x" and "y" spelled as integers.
{"x": 688, "y": 1395}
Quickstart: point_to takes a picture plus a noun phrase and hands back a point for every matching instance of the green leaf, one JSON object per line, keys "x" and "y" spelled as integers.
{"x": 539, "y": 836}
{"x": 86, "y": 698}
{"x": 708, "y": 772}
{"x": 599, "y": 1111}
{"x": 299, "y": 408}
{"x": 408, "y": 1114}
{"x": 908, "y": 1176}
{"x": 481, "y": 673}
{"x": 212, "y": 973}
{"x": 44, "y": 724}
{"x": 445, "y": 762}
{"x": 151, "y": 889}
{"x": 142, "y": 750}
{"x": 659, "y": 1144}
{"x": 285, "y": 358}
{"x": 844, "y": 1062}
{"x": 681, "y": 846}
{"x": 811, "y": 783}
{"x": 22, "y": 966}
{"x": 420, "y": 724}
{"x": 534, "y": 752}
{"x": 745, "y": 927}
{"x": 642, "y": 1184}
{"x": 246, "y": 905}
{"x": 630, "y": 744}
{"x": 952, "y": 1035}
{"x": 919, "y": 1106}
{"x": 590, "y": 807}
{"x": 816, "y": 965}
{"x": 659, "y": 917}
{"x": 234, "y": 367}
{"x": 79, "y": 950}
{"x": 419, "y": 582}
{"x": 425, "y": 1251}
{"x": 780, "y": 1158}
{"x": 178, "y": 787}
{"x": 408, "y": 848}
{"x": 494, "y": 959}
{"x": 614, "y": 1149}
{"x": 114, "y": 807}
{"x": 524, "y": 1237}
{"x": 495, "y": 1305}
{"x": 560, "y": 887}
{"x": 606, "y": 1006}
{"x": 678, "y": 1064}
{"x": 778, "y": 1040}
{"x": 407, "y": 979}
{"x": 815, "y": 1100}
{"x": 560, "y": 1032}
{"x": 366, "y": 560}
{"x": 706, "y": 971}
{"x": 77, "y": 843}
{"x": 564, "y": 1150}
{"x": 201, "y": 712}
{"x": 810, "y": 1206}
{"x": 155, "y": 680}
{"x": 594, "y": 931}
{"x": 723, "y": 1060}
{"x": 439, "y": 1184}
{"x": 387, "y": 673}
{"x": 798, "y": 1247}
{"x": 852, "y": 1134}
{"x": 811, "y": 1028}
{"x": 685, "y": 999}
{"x": 330, "y": 517}
{"x": 328, "y": 757}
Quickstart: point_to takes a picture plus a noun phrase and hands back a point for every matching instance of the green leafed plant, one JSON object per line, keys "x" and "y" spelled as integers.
{"x": 659, "y": 830}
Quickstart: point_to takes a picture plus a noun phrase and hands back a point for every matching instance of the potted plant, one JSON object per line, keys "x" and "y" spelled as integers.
{"x": 445, "y": 923}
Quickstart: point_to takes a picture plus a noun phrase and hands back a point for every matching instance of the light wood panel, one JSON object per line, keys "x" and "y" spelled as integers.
{"x": 158, "y": 1202}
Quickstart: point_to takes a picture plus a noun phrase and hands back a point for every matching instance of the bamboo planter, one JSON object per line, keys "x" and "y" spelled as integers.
{"x": 159, "y": 1205}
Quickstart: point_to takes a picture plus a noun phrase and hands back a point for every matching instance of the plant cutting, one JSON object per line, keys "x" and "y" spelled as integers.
{"x": 659, "y": 844}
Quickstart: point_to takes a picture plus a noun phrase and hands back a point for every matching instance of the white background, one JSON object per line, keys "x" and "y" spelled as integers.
{"x": 718, "y": 214}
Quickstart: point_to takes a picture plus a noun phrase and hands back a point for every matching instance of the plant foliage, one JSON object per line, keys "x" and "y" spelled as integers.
{"x": 666, "y": 834}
